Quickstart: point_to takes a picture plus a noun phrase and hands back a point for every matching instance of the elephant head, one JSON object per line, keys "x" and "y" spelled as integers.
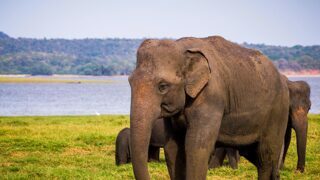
{"x": 166, "y": 74}
{"x": 299, "y": 100}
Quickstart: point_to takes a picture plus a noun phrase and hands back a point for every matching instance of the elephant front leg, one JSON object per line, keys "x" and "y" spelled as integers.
{"x": 287, "y": 140}
{"x": 200, "y": 139}
{"x": 175, "y": 157}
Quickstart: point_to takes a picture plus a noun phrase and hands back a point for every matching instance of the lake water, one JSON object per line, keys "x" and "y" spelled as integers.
{"x": 19, "y": 99}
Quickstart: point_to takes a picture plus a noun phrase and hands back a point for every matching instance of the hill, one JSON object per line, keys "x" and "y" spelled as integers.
{"x": 296, "y": 59}
{"x": 115, "y": 56}
{"x": 61, "y": 56}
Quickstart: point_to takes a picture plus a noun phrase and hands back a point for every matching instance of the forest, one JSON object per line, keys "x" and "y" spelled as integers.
{"x": 114, "y": 56}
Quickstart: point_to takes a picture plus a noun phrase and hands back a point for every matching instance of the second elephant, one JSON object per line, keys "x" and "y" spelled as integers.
{"x": 300, "y": 104}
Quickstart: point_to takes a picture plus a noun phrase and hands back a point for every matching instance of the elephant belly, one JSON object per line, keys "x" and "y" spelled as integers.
{"x": 241, "y": 128}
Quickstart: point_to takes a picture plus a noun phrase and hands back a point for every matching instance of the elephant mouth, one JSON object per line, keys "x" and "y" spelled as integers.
{"x": 168, "y": 111}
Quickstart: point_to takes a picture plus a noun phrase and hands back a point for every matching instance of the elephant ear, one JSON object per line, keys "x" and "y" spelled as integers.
{"x": 197, "y": 72}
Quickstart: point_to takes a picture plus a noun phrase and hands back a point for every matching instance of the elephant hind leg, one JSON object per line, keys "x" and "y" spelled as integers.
{"x": 269, "y": 154}
{"x": 259, "y": 155}
{"x": 267, "y": 168}
{"x": 250, "y": 153}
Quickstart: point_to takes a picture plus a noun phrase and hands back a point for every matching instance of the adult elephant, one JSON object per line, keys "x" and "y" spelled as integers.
{"x": 299, "y": 107}
{"x": 208, "y": 90}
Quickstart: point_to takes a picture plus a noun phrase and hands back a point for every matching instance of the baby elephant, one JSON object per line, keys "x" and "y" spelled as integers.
{"x": 216, "y": 159}
{"x": 157, "y": 141}
{"x": 123, "y": 147}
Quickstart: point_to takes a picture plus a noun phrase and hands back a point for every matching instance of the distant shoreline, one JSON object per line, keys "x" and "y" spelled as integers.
{"x": 67, "y": 78}
{"x": 302, "y": 75}
{"x": 58, "y": 75}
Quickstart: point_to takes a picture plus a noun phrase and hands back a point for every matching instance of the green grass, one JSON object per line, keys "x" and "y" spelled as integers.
{"x": 82, "y": 147}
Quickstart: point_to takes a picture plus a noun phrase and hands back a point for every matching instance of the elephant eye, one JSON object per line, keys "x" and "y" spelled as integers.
{"x": 163, "y": 87}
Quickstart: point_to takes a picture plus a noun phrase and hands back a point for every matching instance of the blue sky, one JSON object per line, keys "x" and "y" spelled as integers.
{"x": 276, "y": 22}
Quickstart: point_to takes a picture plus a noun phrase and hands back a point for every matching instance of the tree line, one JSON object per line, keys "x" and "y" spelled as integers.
{"x": 112, "y": 56}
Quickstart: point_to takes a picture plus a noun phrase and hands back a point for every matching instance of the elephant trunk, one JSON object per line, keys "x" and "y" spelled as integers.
{"x": 144, "y": 111}
{"x": 300, "y": 124}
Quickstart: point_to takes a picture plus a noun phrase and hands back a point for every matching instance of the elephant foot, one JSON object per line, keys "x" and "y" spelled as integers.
{"x": 234, "y": 167}
{"x": 300, "y": 169}
{"x": 121, "y": 163}
{"x": 154, "y": 160}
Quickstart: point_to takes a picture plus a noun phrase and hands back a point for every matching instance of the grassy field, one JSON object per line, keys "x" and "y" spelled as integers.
{"x": 82, "y": 147}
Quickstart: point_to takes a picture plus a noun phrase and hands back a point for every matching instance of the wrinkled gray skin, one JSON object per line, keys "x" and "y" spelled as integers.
{"x": 299, "y": 107}
{"x": 220, "y": 153}
{"x": 208, "y": 90}
{"x": 157, "y": 141}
